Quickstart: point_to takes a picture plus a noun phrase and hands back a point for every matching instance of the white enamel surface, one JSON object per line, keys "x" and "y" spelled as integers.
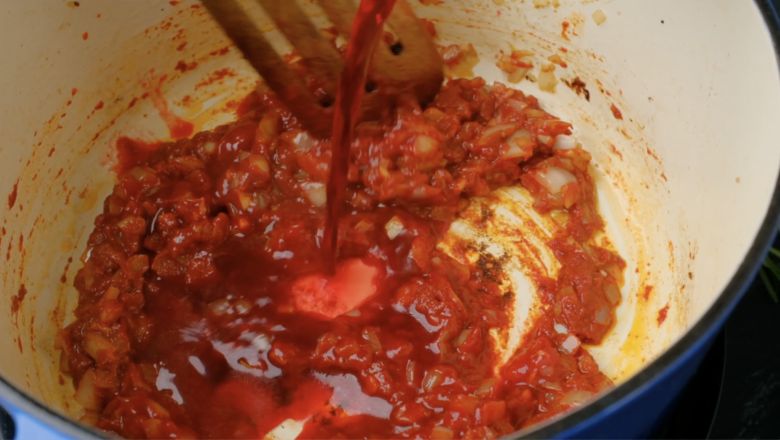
{"x": 684, "y": 189}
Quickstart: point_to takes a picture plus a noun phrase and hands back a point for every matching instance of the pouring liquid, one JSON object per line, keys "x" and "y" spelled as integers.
{"x": 365, "y": 36}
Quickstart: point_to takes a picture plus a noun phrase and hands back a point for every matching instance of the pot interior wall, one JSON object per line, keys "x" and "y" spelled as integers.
{"x": 685, "y": 178}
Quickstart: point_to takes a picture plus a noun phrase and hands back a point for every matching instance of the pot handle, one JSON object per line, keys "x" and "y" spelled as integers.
{"x": 25, "y": 427}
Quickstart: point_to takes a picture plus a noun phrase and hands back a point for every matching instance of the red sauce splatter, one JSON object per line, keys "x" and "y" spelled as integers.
{"x": 432, "y": 2}
{"x": 648, "y": 289}
{"x": 174, "y": 2}
{"x": 615, "y": 150}
{"x": 21, "y": 243}
{"x": 195, "y": 6}
{"x": 99, "y": 15}
{"x": 16, "y": 302}
{"x": 19, "y": 343}
{"x": 64, "y": 277}
{"x": 662, "y": 315}
{"x": 564, "y": 27}
{"x": 132, "y": 103}
{"x": 215, "y": 76}
{"x": 85, "y": 35}
{"x": 99, "y": 105}
{"x": 222, "y": 51}
{"x": 182, "y": 46}
{"x": 616, "y": 112}
{"x": 182, "y": 66}
{"x": 59, "y": 173}
{"x": 177, "y": 127}
{"x": 74, "y": 91}
{"x": 664, "y": 176}
{"x": 12, "y": 196}
{"x": 563, "y": 49}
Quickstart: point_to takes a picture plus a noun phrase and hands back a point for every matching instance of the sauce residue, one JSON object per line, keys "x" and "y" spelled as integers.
{"x": 177, "y": 127}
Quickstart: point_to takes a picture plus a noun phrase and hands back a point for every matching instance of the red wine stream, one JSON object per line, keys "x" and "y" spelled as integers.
{"x": 365, "y": 36}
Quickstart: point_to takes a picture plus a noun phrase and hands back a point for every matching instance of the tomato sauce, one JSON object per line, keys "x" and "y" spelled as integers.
{"x": 201, "y": 312}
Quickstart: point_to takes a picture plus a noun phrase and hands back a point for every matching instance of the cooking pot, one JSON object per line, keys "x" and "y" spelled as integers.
{"x": 676, "y": 101}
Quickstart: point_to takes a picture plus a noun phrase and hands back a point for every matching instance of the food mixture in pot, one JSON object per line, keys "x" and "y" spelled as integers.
{"x": 203, "y": 310}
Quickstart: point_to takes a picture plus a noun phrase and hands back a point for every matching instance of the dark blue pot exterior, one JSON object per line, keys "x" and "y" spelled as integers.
{"x": 639, "y": 416}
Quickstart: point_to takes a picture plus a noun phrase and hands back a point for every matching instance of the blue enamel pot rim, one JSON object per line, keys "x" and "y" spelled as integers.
{"x": 666, "y": 365}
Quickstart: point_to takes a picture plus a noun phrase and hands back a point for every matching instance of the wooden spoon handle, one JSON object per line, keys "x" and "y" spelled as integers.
{"x": 322, "y": 59}
{"x": 289, "y": 87}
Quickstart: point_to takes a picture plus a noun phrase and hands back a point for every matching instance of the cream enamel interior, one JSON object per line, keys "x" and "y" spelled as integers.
{"x": 685, "y": 178}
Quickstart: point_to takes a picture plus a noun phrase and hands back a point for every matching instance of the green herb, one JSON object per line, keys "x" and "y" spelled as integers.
{"x": 772, "y": 267}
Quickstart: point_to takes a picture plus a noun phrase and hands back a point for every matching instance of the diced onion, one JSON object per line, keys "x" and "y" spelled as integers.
{"x": 424, "y": 145}
{"x": 551, "y": 385}
{"x": 432, "y": 379}
{"x": 554, "y": 178}
{"x": 576, "y": 397}
{"x": 442, "y": 433}
{"x": 353, "y": 313}
{"x": 543, "y": 138}
{"x": 560, "y": 329}
{"x": 220, "y": 307}
{"x": 86, "y": 394}
{"x": 564, "y": 142}
{"x": 517, "y": 105}
{"x": 570, "y": 344}
{"x": 612, "y": 293}
{"x": 520, "y": 145}
{"x": 547, "y": 79}
{"x": 486, "y": 387}
{"x": 491, "y": 132}
{"x": 373, "y": 339}
{"x": 602, "y": 315}
{"x": 518, "y": 75}
{"x": 94, "y": 343}
{"x": 394, "y": 228}
{"x": 303, "y": 142}
{"x": 316, "y": 193}
{"x": 599, "y": 17}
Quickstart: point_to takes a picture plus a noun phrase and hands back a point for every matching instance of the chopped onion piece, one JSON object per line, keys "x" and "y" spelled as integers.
{"x": 424, "y": 145}
{"x": 564, "y": 142}
{"x": 432, "y": 379}
{"x": 518, "y": 75}
{"x": 554, "y": 178}
{"x": 372, "y": 338}
{"x": 599, "y": 17}
{"x": 86, "y": 394}
{"x": 560, "y": 329}
{"x": 394, "y": 228}
{"x": 517, "y": 105}
{"x": 547, "y": 79}
{"x": 316, "y": 193}
{"x": 576, "y": 397}
{"x": 554, "y": 386}
{"x": 612, "y": 293}
{"x": 543, "y": 138}
{"x": 498, "y": 130}
{"x": 442, "y": 433}
{"x": 570, "y": 344}
{"x": 602, "y": 315}
{"x": 303, "y": 142}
